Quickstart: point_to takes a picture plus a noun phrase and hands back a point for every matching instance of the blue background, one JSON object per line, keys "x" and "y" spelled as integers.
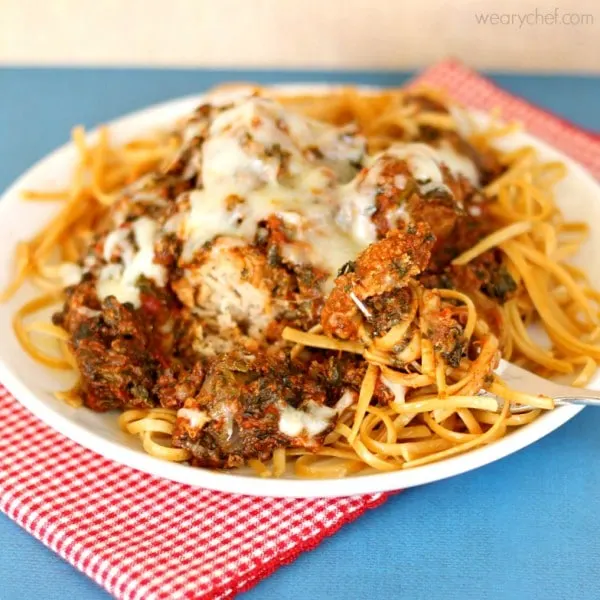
{"x": 525, "y": 527}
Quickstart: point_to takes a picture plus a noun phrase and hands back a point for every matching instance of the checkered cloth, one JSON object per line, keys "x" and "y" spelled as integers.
{"x": 141, "y": 537}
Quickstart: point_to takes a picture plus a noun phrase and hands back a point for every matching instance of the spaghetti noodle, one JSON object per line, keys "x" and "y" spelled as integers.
{"x": 411, "y": 329}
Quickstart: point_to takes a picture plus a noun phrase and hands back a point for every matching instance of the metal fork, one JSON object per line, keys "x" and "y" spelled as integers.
{"x": 524, "y": 381}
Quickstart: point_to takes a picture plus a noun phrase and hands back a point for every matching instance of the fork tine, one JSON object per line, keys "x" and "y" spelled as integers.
{"x": 522, "y": 380}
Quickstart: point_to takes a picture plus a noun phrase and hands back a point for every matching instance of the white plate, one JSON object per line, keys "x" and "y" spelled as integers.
{"x": 32, "y": 384}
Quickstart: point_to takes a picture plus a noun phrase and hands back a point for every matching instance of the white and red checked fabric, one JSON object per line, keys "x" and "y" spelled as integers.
{"x": 144, "y": 538}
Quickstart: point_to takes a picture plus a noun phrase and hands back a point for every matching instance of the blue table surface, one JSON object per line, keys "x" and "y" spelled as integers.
{"x": 525, "y": 527}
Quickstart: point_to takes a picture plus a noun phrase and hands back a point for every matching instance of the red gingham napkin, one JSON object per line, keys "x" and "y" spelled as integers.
{"x": 145, "y": 538}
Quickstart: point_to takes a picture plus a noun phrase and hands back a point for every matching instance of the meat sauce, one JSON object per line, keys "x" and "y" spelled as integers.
{"x": 185, "y": 295}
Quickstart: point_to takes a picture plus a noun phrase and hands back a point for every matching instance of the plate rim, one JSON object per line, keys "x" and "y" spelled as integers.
{"x": 241, "y": 483}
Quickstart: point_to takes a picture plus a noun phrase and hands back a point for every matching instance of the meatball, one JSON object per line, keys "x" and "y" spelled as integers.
{"x": 383, "y": 268}
{"x": 407, "y": 183}
{"x": 233, "y": 289}
{"x": 400, "y": 199}
{"x": 111, "y": 344}
{"x": 249, "y": 405}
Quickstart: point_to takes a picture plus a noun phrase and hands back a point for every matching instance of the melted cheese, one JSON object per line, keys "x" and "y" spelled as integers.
{"x": 258, "y": 142}
{"x": 457, "y": 163}
{"x": 424, "y": 163}
{"x": 347, "y": 399}
{"x": 316, "y": 419}
{"x": 196, "y": 418}
{"x": 397, "y": 389}
{"x": 117, "y": 241}
{"x": 69, "y": 273}
{"x": 357, "y": 199}
{"x": 260, "y": 160}
{"x": 309, "y": 216}
{"x": 356, "y": 208}
{"x": 90, "y": 313}
{"x": 120, "y": 279}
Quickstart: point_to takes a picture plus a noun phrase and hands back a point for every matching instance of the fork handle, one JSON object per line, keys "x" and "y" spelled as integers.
{"x": 585, "y": 400}
{"x": 558, "y": 401}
